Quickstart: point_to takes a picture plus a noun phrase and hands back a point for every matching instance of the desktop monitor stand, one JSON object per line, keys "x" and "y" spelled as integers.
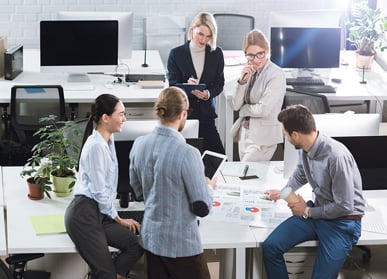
{"x": 304, "y": 73}
{"x": 78, "y": 77}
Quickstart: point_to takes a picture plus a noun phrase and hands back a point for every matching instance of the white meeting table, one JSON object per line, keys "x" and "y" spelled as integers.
{"x": 215, "y": 235}
{"x": 22, "y": 238}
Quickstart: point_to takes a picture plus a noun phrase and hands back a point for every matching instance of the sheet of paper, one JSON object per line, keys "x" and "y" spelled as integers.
{"x": 48, "y": 224}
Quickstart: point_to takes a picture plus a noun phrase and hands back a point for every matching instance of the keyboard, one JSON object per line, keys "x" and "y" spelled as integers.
{"x": 304, "y": 81}
{"x": 315, "y": 88}
{"x": 137, "y": 215}
{"x": 374, "y": 227}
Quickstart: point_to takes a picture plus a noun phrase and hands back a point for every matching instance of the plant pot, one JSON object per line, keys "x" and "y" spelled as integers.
{"x": 61, "y": 185}
{"x": 34, "y": 190}
{"x": 364, "y": 62}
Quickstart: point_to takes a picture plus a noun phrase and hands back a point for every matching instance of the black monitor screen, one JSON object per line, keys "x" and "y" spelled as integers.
{"x": 78, "y": 43}
{"x": 305, "y": 47}
{"x": 123, "y": 149}
{"x": 370, "y": 155}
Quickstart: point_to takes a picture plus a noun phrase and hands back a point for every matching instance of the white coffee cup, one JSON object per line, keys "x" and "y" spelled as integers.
{"x": 288, "y": 195}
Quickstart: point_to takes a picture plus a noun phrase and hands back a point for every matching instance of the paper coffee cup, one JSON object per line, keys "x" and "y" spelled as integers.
{"x": 288, "y": 195}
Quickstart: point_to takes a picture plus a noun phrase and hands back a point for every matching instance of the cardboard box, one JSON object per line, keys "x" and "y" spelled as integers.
{"x": 213, "y": 263}
{"x": 3, "y": 49}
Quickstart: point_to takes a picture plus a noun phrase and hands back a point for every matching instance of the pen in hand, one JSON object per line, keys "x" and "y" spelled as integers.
{"x": 245, "y": 170}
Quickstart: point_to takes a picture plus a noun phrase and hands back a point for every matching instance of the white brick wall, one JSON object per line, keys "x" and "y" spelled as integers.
{"x": 19, "y": 19}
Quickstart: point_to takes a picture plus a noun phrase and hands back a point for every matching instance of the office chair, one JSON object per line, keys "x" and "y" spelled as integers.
{"x": 17, "y": 265}
{"x": 317, "y": 103}
{"x": 75, "y": 133}
{"x": 31, "y": 102}
{"x": 232, "y": 28}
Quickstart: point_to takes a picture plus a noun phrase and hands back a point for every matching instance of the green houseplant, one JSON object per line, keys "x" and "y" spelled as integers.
{"x": 55, "y": 147}
{"x": 366, "y": 28}
{"x": 38, "y": 177}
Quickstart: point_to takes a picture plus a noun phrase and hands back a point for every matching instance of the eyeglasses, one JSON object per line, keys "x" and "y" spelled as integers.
{"x": 259, "y": 55}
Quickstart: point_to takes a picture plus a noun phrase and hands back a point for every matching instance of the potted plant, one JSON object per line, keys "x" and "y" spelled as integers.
{"x": 38, "y": 177}
{"x": 366, "y": 28}
{"x": 55, "y": 146}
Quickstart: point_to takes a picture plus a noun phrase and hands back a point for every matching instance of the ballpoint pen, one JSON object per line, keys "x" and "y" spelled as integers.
{"x": 245, "y": 170}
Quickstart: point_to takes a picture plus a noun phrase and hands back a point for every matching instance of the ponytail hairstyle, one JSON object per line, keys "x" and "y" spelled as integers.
{"x": 170, "y": 103}
{"x": 103, "y": 104}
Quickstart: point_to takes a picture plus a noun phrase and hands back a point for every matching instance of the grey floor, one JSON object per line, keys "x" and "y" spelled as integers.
{"x": 354, "y": 268}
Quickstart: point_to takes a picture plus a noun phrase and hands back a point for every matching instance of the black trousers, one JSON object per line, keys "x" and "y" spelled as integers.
{"x": 208, "y": 131}
{"x": 194, "y": 267}
{"x": 92, "y": 233}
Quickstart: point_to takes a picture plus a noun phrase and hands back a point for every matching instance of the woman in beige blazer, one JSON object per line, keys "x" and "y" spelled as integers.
{"x": 258, "y": 99}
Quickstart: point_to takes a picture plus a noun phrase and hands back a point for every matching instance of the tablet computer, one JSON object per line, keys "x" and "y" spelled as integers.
{"x": 212, "y": 162}
{"x": 188, "y": 87}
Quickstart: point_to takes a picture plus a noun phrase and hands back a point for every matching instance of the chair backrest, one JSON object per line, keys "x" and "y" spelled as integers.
{"x": 232, "y": 28}
{"x": 75, "y": 134}
{"x": 31, "y": 102}
{"x": 317, "y": 103}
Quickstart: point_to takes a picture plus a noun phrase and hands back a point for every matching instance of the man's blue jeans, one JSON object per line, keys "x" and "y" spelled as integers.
{"x": 336, "y": 238}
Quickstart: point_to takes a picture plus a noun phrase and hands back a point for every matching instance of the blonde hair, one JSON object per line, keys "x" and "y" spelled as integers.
{"x": 207, "y": 20}
{"x": 257, "y": 38}
{"x": 170, "y": 103}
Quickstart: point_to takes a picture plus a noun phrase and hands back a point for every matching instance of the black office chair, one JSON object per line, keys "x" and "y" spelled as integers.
{"x": 75, "y": 134}
{"x": 317, "y": 103}
{"x": 232, "y": 28}
{"x": 16, "y": 265}
{"x": 31, "y": 102}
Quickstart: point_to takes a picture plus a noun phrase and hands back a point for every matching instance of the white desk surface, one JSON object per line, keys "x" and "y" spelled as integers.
{"x": 3, "y": 239}
{"x": 215, "y": 235}
{"x": 134, "y": 94}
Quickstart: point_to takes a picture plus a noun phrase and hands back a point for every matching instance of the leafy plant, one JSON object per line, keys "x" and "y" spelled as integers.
{"x": 54, "y": 146}
{"x": 38, "y": 173}
{"x": 366, "y": 28}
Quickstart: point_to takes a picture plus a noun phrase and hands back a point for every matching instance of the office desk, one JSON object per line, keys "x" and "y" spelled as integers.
{"x": 22, "y": 238}
{"x": 374, "y": 91}
{"x": 3, "y": 237}
{"x": 131, "y": 94}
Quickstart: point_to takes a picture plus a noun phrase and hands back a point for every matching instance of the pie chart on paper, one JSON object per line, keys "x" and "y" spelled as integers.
{"x": 252, "y": 209}
{"x": 216, "y": 203}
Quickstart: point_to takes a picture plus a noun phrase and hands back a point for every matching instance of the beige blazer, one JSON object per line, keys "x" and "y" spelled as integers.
{"x": 266, "y": 97}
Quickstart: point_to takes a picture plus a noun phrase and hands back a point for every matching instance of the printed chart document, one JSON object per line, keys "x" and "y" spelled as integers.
{"x": 48, "y": 224}
{"x": 246, "y": 205}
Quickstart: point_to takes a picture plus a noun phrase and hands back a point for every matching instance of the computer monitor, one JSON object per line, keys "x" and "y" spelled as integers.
{"x": 370, "y": 158}
{"x": 335, "y": 124}
{"x": 78, "y": 47}
{"x": 305, "y": 47}
{"x": 125, "y": 26}
{"x": 124, "y": 140}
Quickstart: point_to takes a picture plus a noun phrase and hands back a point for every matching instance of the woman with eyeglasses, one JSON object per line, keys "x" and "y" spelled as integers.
{"x": 258, "y": 99}
{"x": 199, "y": 60}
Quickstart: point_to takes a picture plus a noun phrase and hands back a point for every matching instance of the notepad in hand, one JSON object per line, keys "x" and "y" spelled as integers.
{"x": 48, "y": 224}
{"x": 188, "y": 87}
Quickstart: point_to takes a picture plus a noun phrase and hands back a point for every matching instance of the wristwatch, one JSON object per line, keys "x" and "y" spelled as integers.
{"x": 306, "y": 215}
